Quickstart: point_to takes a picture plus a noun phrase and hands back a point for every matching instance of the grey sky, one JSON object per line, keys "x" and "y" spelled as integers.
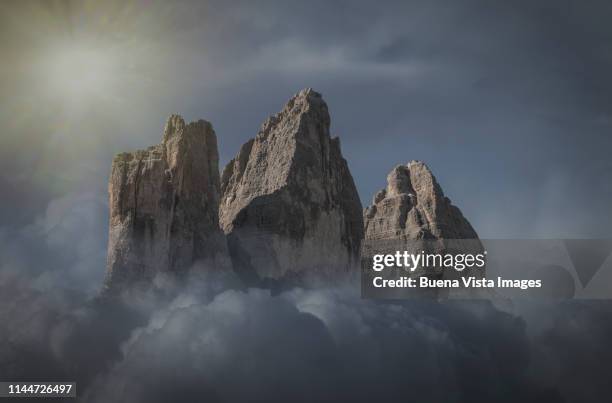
{"x": 510, "y": 103}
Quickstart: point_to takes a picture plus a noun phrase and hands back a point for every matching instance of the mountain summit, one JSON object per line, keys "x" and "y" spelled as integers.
{"x": 289, "y": 205}
{"x": 164, "y": 205}
{"x": 413, "y": 206}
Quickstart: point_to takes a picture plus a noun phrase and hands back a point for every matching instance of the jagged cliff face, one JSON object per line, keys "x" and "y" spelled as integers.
{"x": 164, "y": 207}
{"x": 289, "y": 204}
{"x": 413, "y": 206}
{"x": 285, "y": 208}
{"x": 412, "y": 214}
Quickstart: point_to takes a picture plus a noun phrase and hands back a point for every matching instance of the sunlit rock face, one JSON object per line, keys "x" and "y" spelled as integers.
{"x": 289, "y": 204}
{"x": 164, "y": 207}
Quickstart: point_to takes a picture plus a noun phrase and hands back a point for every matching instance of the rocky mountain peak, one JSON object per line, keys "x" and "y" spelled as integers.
{"x": 285, "y": 208}
{"x": 164, "y": 205}
{"x": 174, "y": 126}
{"x": 413, "y": 214}
{"x": 289, "y": 203}
{"x": 413, "y": 206}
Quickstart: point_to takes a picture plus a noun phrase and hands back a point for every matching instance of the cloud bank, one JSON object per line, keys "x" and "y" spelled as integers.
{"x": 231, "y": 344}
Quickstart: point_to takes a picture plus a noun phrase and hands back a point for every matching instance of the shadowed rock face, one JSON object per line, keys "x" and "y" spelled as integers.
{"x": 412, "y": 214}
{"x": 289, "y": 204}
{"x": 164, "y": 207}
{"x": 413, "y": 206}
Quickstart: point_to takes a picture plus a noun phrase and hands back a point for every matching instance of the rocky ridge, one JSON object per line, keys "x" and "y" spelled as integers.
{"x": 285, "y": 209}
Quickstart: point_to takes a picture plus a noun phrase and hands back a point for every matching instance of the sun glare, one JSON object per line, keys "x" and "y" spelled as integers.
{"x": 80, "y": 73}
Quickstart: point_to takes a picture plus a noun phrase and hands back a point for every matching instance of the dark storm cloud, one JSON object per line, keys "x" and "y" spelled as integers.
{"x": 572, "y": 345}
{"x": 321, "y": 345}
{"x": 303, "y": 345}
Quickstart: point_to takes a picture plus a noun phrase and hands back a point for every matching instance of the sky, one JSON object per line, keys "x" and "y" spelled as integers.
{"x": 509, "y": 103}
